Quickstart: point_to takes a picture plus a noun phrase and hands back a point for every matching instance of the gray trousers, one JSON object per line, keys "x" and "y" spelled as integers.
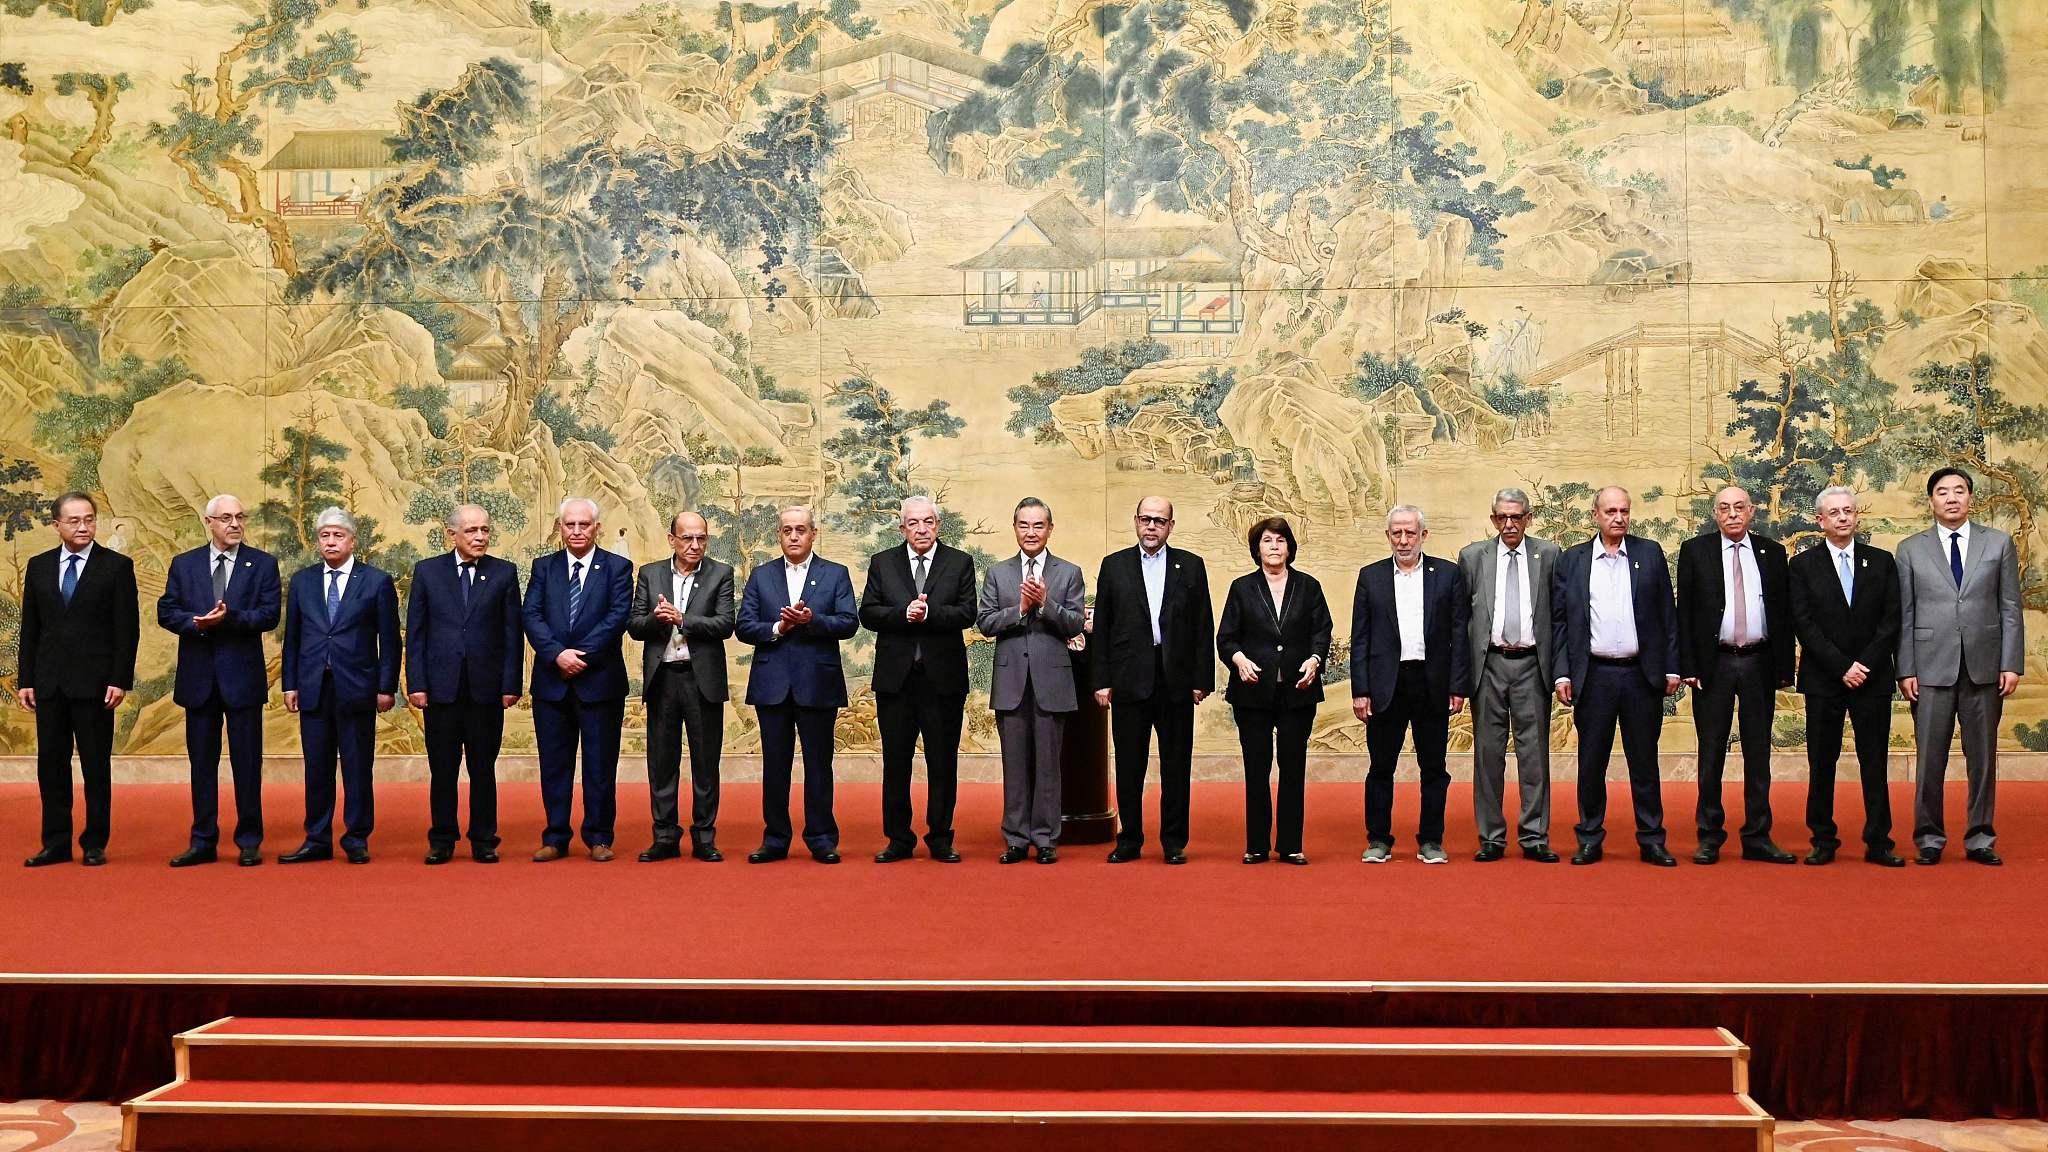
{"x": 1511, "y": 691}
{"x": 1031, "y": 772}
{"x": 1934, "y": 727}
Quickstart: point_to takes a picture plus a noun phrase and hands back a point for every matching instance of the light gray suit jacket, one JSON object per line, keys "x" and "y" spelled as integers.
{"x": 1480, "y": 561}
{"x": 1943, "y": 627}
{"x": 1033, "y": 647}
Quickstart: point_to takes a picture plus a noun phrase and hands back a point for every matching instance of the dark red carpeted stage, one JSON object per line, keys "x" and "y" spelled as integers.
{"x": 1863, "y": 991}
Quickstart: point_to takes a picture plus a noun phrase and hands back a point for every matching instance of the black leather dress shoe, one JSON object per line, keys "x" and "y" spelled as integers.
{"x": 1123, "y": 855}
{"x": 1928, "y": 856}
{"x": 484, "y": 855}
{"x": 1176, "y": 857}
{"x": 1048, "y": 855}
{"x": 661, "y": 850}
{"x": 305, "y": 853}
{"x": 1014, "y": 854}
{"x": 1655, "y": 854}
{"x": 766, "y": 856}
{"x": 191, "y": 856}
{"x": 357, "y": 855}
{"x": 1884, "y": 858}
{"x": 94, "y": 857}
{"x": 1587, "y": 854}
{"x": 828, "y": 856}
{"x": 1768, "y": 853}
{"x": 1542, "y": 854}
{"x": 1488, "y": 853}
{"x": 250, "y": 857}
{"x": 707, "y": 852}
{"x": 1707, "y": 854}
{"x": 440, "y": 854}
{"x": 1975, "y": 856}
{"x": 891, "y": 855}
{"x": 945, "y": 854}
{"x": 45, "y": 858}
{"x": 1820, "y": 856}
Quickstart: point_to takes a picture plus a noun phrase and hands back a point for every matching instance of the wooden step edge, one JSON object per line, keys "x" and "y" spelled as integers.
{"x": 129, "y": 1107}
{"x": 935, "y": 1115}
{"x": 1766, "y": 1133}
{"x": 1742, "y": 1054}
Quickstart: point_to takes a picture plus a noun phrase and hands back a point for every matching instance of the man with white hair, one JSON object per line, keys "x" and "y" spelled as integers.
{"x": 1411, "y": 670}
{"x": 917, "y": 601}
{"x": 341, "y": 660}
{"x": 577, "y": 603}
{"x": 219, "y": 599}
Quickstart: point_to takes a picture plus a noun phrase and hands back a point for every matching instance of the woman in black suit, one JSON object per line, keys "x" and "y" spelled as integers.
{"x": 1275, "y": 636}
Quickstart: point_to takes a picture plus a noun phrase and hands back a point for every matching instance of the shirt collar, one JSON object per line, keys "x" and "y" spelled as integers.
{"x": 1943, "y": 531}
{"x": 457, "y": 557}
{"x": 1600, "y": 548}
{"x": 213, "y": 554}
{"x": 1726, "y": 543}
{"x": 1149, "y": 557}
{"x": 799, "y": 567}
{"x": 930, "y": 556}
{"x": 1421, "y": 562}
{"x": 676, "y": 569}
{"x": 84, "y": 554}
{"x": 1024, "y": 557}
{"x": 347, "y": 569}
{"x": 1850, "y": 551}
{"x": 1500, "y": 547}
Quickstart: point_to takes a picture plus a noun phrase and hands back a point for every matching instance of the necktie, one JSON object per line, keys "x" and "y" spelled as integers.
{"x": 70, "y": 581}
{"x": 333, "y": 594}
{"x": 220, "y": 578}
{"x": 1741, "y": 602}
{"x": 468, "y": 582}
{"x": 1030, "y": 568}
{"x": 918, "y": 575}
{"x": 1511, "y": 628}
{"x": 1955, "y": 557}
{"x": 1848, "y": 578}
{"x": 575, "y": 589}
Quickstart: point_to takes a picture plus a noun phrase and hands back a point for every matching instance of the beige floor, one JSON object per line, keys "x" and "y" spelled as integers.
{"x": 56, "y": 1127}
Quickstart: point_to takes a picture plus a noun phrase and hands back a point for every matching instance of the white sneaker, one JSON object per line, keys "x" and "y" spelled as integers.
{"x": 1431, "y": 854}
{"x": 1377, "y": 854}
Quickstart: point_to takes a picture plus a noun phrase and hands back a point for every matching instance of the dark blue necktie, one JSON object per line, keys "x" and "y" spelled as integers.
{"x": 468, "y": 581}
{"x": 333, "y": 594}
{"x": 575, "y": 589}
{"x": 1955, "y": 557}
{"x": 70, "y": 582}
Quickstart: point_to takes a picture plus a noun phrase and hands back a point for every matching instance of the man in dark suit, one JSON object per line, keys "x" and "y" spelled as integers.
{"x": 1411, "y": 669}
{"x": 577, "y": 601}
{"x": 1734, "y": 644}
{"x": 1156, "y": 661}
{"x": 341, "y": 660}
{"x": 1611, "y": 625}
{"x": 1845, "y": 607}
{"x": 916, "y": 601}
{"x": 463, "y": 660}
{"x": 682, "y": 613}
{"x": 795, "y": 612}
{"x": 219, "y": 599}
{"x": 79, "y": 631}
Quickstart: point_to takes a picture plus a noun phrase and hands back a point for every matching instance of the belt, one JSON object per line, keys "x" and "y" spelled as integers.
{"x": 1744, "y": 649}
{"x": 1618, "y": 661}
{"x": 1524, "y": 651}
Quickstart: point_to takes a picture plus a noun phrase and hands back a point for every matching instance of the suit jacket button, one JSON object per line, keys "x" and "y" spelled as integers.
{"x": 1279, "y": 647}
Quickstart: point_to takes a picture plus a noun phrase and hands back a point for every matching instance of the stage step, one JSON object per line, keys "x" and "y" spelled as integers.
{"x": 315, "y": 1085}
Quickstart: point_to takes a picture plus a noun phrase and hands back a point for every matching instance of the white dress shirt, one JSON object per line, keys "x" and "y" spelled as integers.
{"x": 680, "y": 587}
{"x": 1835, "y": 558}
{"x": 64, "y": 555}
{"x": 213, "y": 556}
{"x": 793, "y": 577}
{"x": 1612, "y": 602}
{"x": 1962, "y": 545}
{"x": 570, "y": 560}
{"x": 1752, "y": 590}
{"x": 1527, "y": 635}
{"x": 931, "y": 556}
{"x": 1408, "y": 600}
{"x": 1153, "y": 567}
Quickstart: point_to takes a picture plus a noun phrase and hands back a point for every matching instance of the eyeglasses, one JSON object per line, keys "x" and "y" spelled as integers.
{"x": 1155, "y": 521}
{"x": 78, "y": 521}
{"x": 229, "y": 517}
{"x": 688, "y": 539}
{"x": 1510, "y": 517}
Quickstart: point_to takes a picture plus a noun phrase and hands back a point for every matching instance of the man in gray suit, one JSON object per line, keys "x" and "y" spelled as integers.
{"x": 1962, "y": 647}
{"x": 1032, "y": 605}
{"x": 682, "y": 612}
{"x": 1509, "y": 580}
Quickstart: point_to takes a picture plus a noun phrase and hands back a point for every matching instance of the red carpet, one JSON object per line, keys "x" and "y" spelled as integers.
{"x": 1215, "y": 919}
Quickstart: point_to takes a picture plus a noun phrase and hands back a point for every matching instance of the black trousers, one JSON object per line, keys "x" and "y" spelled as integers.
{"x": 1412, "y": 709}
{"x": 64, "y": 722}
{"x": 1747, "y": 679}
{"x": 677, "y": 713}
{"x": 1131, "y": 726}
{"x": 1871, "y": 713}
{"x": 1618, "y": 694}
{"x": 903, "y": 716}
{"x": 328, "y": 734}
{"x": 782, "y": 725}
{"x": 1261, "y": 732}
{"x": 464, "y": 731}
{"x": 245, "y": 761}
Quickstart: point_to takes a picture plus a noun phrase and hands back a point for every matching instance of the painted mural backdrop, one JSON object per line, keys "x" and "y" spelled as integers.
{"x": 1292, "y": 256}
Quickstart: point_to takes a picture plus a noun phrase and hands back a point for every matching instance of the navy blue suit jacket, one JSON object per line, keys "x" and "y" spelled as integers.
{"x": 444, "y": 639}
{"x": 354, "y": 656}
{"x": 1571, "y": 620}
{"x": 228, "y": 657}
{"x": 802, "y": 666}
{"x": 1376, "y": 632}
{"x": 600, "y": 625}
